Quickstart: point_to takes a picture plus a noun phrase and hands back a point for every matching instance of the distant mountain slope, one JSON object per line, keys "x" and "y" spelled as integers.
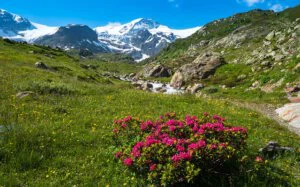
{"x": 140, "y": 38}
{"x": 74, "y": 37}
{"x": 11, "y": 24}
{"x": 236, "y": 37}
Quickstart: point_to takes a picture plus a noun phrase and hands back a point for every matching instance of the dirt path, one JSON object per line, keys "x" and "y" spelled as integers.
{"x": 269, "y": 111}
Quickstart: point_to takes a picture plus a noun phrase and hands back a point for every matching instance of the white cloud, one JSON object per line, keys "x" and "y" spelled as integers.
{"x": 250, "y": 2}
{"x": 277, "y": 7}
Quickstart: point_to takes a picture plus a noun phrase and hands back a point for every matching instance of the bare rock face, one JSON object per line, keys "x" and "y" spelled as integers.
{"x": 202, "y": 67}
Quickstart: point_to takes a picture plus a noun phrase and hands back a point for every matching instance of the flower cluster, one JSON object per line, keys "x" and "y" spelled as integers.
{"x": 170, "y": 150}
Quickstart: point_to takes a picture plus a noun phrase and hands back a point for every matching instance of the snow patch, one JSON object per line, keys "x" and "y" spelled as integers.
{"x": 41, "y": 30}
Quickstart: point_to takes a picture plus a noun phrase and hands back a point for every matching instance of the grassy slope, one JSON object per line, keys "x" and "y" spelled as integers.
{"x": 63, "y": 135}
{"x": 260, "y": 23}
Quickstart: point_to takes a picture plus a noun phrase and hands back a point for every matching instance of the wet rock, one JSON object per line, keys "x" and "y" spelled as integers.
{"x": 160, "y": 89}
{"x": 146, "y": 86}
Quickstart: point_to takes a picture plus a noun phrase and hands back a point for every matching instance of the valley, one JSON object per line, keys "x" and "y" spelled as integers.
{"x": 59, "y": 106}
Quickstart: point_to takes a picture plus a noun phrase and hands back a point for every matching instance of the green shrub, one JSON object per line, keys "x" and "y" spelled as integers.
{"x": 49, "y": 88}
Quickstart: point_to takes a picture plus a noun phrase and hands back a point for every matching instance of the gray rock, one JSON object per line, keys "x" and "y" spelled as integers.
{"x": 25, "y": 94}
{"x": 160, "y": 89}
{"x": 265, "y": 63}
{"x": 242, "y": 77}
{"x": 270, "y": 36}
{"x": 41, "y": 65}
{"x": 131, "y": 75}
{"x": 273, "y": 149}
{"x": 255, "y": 84}
{"x": 202, "y": 67}
{"x": 194, "y": 89}
{"x": 156, "y": 71}
{"x": 146, "y": 86}
{"x": 278, "y": 57}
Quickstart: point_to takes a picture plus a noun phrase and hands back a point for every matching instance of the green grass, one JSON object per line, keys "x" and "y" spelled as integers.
{"x": 64, "y": 137}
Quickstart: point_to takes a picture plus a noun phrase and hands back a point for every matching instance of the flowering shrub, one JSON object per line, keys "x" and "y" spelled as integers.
{"x": 170, "y": 150}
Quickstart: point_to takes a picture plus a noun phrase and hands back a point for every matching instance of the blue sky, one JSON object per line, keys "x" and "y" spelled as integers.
{"x": 176, "y": 14}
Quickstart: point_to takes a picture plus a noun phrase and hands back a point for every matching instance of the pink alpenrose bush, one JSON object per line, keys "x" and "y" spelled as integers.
{"x": 170, "y": 150}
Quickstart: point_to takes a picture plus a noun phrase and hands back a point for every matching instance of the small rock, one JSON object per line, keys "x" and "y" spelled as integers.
{"x": 265, "y": 63}
{"x": 267, "y": 43}
{"x": 279, "y": 57}
{"x": 270, "y": 36}
{"x": 273, "y": 149}
{"x": 194, "y": 89}
{"x": 131, "y": 75}
{"x": 24, "y": 94}
{"x": 242, "y": 77}
{"x": 255, "y": 84}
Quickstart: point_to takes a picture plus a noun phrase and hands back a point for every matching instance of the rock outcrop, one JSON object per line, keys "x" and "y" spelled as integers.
{"x": 202, "y": 67}
{"x": 155, "y": 71}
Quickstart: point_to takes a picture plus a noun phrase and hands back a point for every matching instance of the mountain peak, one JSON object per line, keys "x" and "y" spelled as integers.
{"x": 13, "y": 23}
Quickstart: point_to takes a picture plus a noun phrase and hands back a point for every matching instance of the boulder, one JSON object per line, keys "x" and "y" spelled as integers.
{"x": 131, "y": 75}
{"x": 41, "y": 65}
{"x": 156, "y": 71}
{"x": 147, "y": 86}
{"x": 194, "y": 89}
{"x": 160, "y": 89}
{"x": 202, "y": 67}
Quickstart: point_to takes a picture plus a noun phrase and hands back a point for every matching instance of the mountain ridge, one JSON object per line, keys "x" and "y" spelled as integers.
{"x": 140, "y": 38}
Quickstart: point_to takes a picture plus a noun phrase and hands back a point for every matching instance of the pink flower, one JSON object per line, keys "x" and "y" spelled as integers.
{"x": 116, "y": 131}
{"x": 128, "y": 162}
{"x": 180, "y": 148}
{"x": 118, "y": 154}
{"x": 172, "y": 128}
{"x": 128, "y": 118}
{"x": 213, "y": 146}
{"x": 152, "y": 167}
{"x": 181, "y": 156}
{"x": 198, "y": 145}
{"x": 258, "y": 159}
{"x": 124, "y": 125}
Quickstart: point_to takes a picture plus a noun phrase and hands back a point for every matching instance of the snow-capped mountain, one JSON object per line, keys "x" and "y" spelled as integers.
{"x": 74, "y": 37}
{"x": 11, "y": 24}
{"x": 140, "y": 38}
